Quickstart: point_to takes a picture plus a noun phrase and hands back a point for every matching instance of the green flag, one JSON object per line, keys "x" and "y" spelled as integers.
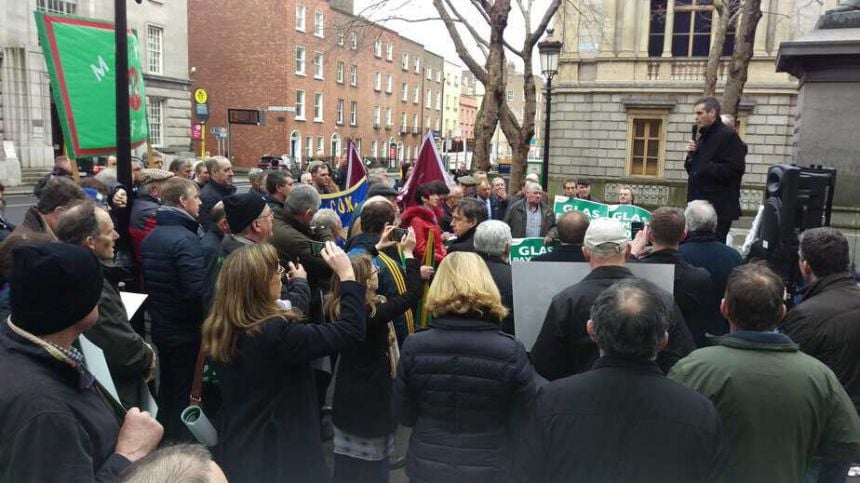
{"x": 81, "y": 60}
{"x": 626, "y": 213}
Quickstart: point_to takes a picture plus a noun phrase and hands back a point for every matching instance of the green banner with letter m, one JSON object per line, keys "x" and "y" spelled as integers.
{"x": 80, "y": 54}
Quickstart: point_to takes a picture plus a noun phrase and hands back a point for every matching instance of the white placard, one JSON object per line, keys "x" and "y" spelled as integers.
{"x": 94, "y": 360}
{"x": 132, "y": 302}
{"x": 536, "y": 283}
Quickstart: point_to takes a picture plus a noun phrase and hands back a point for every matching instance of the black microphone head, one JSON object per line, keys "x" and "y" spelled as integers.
{"x": 694, "y": 131}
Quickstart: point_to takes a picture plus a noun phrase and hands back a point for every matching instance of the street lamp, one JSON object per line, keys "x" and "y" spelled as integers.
{"x": 549, "y": 50}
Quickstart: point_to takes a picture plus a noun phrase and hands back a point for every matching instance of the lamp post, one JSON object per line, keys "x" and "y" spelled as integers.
{"x": 549, "y": 50}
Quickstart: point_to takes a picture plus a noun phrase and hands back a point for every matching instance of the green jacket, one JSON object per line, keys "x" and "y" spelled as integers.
{"x": 780, "y": 407}
{"x": 292, "y": 240}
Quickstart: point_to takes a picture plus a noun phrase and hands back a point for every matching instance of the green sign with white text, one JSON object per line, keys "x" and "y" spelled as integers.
{"x": 524, "y": 249}
{"x": 626, "y": 213}
{"x": 80, "y": 54}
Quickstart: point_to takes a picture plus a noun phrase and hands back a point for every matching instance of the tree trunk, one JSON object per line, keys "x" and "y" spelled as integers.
{"x": 485, "y": 127}
{"x": 722, "y": 10}
{"x": 739, "y": 65}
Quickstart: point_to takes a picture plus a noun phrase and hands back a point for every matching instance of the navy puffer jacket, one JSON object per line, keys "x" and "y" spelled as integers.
{"x": 173, "y": 275}
{"x": 463, "y": 385}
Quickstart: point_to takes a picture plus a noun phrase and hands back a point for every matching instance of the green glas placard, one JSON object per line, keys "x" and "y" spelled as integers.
{"x": 524, "y": 249}
{"x": 81, "y": 60}
{"x": 626, "y": 213}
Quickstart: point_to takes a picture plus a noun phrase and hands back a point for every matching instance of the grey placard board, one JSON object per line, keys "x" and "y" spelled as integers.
{"x": 536, "y": 283}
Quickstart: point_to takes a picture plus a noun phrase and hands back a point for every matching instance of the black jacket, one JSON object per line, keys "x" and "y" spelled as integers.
{"x": 364, "y": 385}
{"x": 210, "y": 195}
{"x": 562, "y": 253}
{"x": 716, "y": 168}
{"x": 694, "y": 293}
{"x": 174, "y": 273}
{"x": 269, "y": 424}
{"x": 55, "y": 424}
{"x": 465, "y": 243}
{"x": 498, "y": 207}
{"x": 701, "y": 249}
{"x": 622, "y": 421}
{"x": 500, "y": 270}
{"x": 463, "y": 386}
{"x": 826, "y": 325}
{"x": 563, "y": 346}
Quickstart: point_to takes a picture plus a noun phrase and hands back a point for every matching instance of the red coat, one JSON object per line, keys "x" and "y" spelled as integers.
{"x": 423, "y": 220}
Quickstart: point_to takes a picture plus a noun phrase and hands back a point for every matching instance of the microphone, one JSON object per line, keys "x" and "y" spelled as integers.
{"x": 694, "y": 131}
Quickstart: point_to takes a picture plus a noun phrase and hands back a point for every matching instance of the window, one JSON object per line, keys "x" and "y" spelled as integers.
{"x": 509, "y": 95}
{"x": 402, "y": 122}
{"x": 319, "y": 24}
{"x": 429, "y": 73}
{"x": 376, "y": 116}
{"x": 389, "y": 52}
{"x": 155, "y": 115}
{"x": 691, "y": 31}
{"x": 353, "y": 113}
{"x": 300, "y": 105}
{"x": 415, "y": 94}
{"x": 404, "y": 61}
{"x": 646, "y": 139}
{"x": 388, "y": 84}
{"x": 438, "y": 124}
{"x": 340, "y": 37}
{"x": 353, "y": 75}
{"x": 427, "y": 123}
{"x": 309, "y": 146}
{"x": 404, "y": 91}
{"x": 69, "y": 7}
{"x": 377, "y": 81}
{"x": 339, "y": 72}
{"x": 388, "y": 117}
{"x": 339, "y": 114}
{"x": 417, "y": 65}
{"x": 415, "y": 123}
{"x": 300, "y": 60}
{"x": 320, "y": 145}
{"x": 154, "y": 43}
{"x": 318, "y": 107}
{"x": 428, "y": 99}
{"x": 300, "y": 18}
{"x": 439, "y": 76}
{"x": 374, "y": 148}
{"x": 377, "y": 48}
{"x": 353, "y": 40}
{"x": 318, "y": 65}
{"x": 438, "y": 101}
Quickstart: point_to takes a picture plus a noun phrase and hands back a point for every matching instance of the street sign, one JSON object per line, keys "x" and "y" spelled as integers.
{"x": 202, "y": 112}
{"x": 281, "y": 109}
{"x": 196, "y": 132}
{"x": 200, "y": 96}
{"x": 244, "y": 116}
{"x": 221, "y": 132}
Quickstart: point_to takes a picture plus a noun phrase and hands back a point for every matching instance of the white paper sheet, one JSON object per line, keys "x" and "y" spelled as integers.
{"x": 94, "y": 359}
{"x": 132, "y": 302}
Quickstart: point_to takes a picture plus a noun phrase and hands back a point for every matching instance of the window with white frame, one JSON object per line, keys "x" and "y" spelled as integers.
{"x": 374, "y": 148}
{"x": 353, "y": 40}
{"x": 68, "y": 7}
{"x": 404, "y": 91}
{"x": 439, "y": 76}
{"x": 300, "y": 105}
{"x": 509, "y": 95}
{"x": 320, "y": 145}
{"x": 403, "y": 122}
{"x": 377, "y": 114}
{"x": 438, "y": 101}
{"x": 377, "y": 48}
{"x": 389, "y": 81}
{"x": 339, "y": 113}
{"x": 340, "y": 36}
{"x": 415, "y": 123}
{"x": 416, "y": 92}
{"x": 154, "y": 49}
{"x": 309, "y": 147}
{"x": 339, "y": 76}
{"x": 353, "y": 113}
{"x": 155, "y": 116}
{"x": 377, "y": 81}
{"x": 427, "y": 123}
{"x": 319, "y": 24}
{"x": 404, "y": 60}
{"x": 417, "y": 65}
{"x": 429, "y": 73}
{"x": 438, "y": 124}
{"x": 389, "y": 52}
{"x": 388, "y": 117}
{"x": 353, "y": 75}
{"x": 428, "y": 99}
{"x": 300, "y": 60}
{"x": 318, "y": 65}
{"x": 300, "y": 18}
{"x": 318, "y": 107}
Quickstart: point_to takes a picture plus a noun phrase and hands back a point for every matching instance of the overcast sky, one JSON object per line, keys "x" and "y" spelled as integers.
{"x": 433, "y": 34}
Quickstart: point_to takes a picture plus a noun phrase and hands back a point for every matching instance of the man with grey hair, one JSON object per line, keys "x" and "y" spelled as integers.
{"x": 219, "y": 186}
{"x": 531, "y": 217}
{"x": 563, "y": 347}
{"x": 329, "y": 219}
{"x": 701, "y": 247}
{"x": 257, "y": 179}
{"x": 493, "y": 243}
{"x": 181, "y": 462}
{"x": 658, "y": 427}
{"x": 378, "y": 175}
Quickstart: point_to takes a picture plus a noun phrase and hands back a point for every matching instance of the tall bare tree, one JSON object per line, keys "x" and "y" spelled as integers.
{"x": 750, "y": 14}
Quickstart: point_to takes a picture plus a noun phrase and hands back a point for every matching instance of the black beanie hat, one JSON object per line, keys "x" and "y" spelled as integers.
{"x": 53, "y": 286}
{"x": 243, "y": 209}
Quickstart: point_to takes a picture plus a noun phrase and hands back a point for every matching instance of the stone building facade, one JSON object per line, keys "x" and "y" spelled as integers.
{"x": 623, "y": 98}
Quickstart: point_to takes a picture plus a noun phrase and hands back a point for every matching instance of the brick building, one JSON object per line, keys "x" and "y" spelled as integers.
{"x": 468, "y": 113}
{"x": 318, "y": 75}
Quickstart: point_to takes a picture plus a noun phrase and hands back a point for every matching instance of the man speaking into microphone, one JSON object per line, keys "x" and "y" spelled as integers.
{"x": 715, "y": 165}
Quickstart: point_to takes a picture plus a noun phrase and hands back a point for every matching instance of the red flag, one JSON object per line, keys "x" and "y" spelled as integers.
{"x": 427, "y": 169}
{"x": 355, "y": 171}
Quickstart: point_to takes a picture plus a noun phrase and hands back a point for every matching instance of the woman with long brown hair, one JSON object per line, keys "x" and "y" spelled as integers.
{"x": 363, "y": 423}
{"x": 269, "y": 426}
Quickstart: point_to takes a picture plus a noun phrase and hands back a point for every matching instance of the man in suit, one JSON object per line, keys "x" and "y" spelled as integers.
{"x": 494, "y": 208}
{"x": 571, "y": 231}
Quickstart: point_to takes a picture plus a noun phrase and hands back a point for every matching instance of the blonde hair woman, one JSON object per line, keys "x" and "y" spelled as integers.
{"x": 462, "y": 384}
{"x": 269, "y": 426}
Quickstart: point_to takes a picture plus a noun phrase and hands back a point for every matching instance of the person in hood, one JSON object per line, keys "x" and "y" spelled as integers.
{"x": 422, "y": 218}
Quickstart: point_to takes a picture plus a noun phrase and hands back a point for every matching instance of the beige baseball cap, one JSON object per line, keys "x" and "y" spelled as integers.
{"x": 605, "y": 230}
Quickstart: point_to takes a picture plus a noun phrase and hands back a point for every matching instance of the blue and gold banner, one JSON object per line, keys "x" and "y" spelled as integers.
{"x": 344, "y": 202}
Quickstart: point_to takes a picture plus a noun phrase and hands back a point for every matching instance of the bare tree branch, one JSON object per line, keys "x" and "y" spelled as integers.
{"x": 482, "y": 44}
{"x": 479, "y": 72}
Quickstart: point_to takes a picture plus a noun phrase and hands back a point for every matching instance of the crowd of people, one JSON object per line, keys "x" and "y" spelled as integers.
{"x": 309, "y": 330}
